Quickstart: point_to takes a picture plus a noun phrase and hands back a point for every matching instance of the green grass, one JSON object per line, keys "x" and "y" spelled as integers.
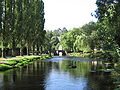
{"x": 84, "y": 55}
{"x": 19, "y": 61}
{"x": 5, "y": 67}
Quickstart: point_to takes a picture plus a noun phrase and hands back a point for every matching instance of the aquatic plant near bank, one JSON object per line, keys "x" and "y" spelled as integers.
{"x": 15, "y": 63}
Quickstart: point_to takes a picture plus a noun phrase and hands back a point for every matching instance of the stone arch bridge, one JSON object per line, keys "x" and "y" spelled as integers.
{"x": 59, "y": 52}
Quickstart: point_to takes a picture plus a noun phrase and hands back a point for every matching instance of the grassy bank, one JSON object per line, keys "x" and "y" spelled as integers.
{"x": 109, "y": 56}
{"x": 86, "y": 55}
{"x": 19, "y": 61}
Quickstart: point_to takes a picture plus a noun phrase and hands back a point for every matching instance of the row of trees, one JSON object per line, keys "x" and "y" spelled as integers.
{"x": 21, "y": 25}
{"x": 81, "y": 39}
{"x": 90, "y": 36}
{"x": 103, "y": 34}
{"x": 52, "y": 39}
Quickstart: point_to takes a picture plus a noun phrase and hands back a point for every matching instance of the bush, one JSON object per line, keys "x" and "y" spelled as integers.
{"x": 5, "y": 67}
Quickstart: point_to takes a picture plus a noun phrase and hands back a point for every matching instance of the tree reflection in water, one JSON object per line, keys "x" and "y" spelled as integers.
{"x": 57, "y": 75}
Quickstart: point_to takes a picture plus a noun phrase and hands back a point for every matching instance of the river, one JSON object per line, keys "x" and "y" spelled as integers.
{"x": 58, "y": 73}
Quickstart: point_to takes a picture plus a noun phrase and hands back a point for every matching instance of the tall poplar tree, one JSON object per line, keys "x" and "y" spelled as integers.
{"x": 1, "y": 34}
{"x": 22, "y": 24}
{"x": 1, "y": 12}
{"x": 40, "y": 35}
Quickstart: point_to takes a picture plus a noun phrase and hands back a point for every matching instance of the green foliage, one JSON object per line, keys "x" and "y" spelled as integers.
{"x": 81, "y": 43}
{"x": 116, "y": 77}
{"x": 89, "y": 28}
{"x": 21, "y": 62}
{"x": 5, "y": 67}
{"x": 53, "y": 38}
{"x": 68, "y": 39}
{"x": 54, "y": 41}
{"x": 108, "y": 14}
{"x": 1, "y": 12}
{"x": 59, "y": 32}
{"x": 81, "y": 39}
{"x": 109, "y": 17}
{"x": 12, "y": 62}
{"x": 23, "y": 24}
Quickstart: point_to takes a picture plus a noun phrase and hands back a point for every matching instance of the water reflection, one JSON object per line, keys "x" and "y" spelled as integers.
{"x": 58, "y": 73}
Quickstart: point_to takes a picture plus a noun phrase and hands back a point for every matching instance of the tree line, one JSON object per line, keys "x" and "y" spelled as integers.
{"x": 21, "y": 25}
{"x": 103, "y": 35}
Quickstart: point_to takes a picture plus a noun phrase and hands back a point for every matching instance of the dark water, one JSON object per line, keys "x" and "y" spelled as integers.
{"x": 58, "y": 73}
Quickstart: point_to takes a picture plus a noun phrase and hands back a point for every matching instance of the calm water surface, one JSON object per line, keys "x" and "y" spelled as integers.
{"x": 58, "y": 73}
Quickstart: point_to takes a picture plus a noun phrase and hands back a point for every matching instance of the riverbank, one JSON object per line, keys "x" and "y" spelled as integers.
{"x": 86, "y": 55}
{"x": 19, "y": 61}
{"x": 110, "y": 62}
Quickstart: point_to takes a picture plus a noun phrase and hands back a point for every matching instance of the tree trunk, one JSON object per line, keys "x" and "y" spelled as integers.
{"x": 28, "y": 50}
{"x": 2, "y": 50}
{"x": 13, "y": 47}
{"x": 13, "y": 52}
{"x": 21, "y": 52}
{"x": 33, "y": 50}
{"x": 41, "y": 49}
{"x": 38, "y": 50}
{"x": 50, "y": 51}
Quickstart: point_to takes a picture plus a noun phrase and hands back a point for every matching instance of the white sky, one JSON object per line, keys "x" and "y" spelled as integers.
{"x": 68, "y": 13}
